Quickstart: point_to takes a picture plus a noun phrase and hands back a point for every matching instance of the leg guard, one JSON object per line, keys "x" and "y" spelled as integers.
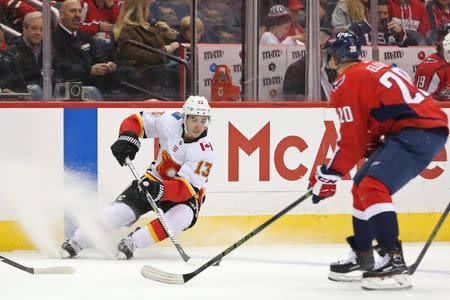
{"x": 117, "y": 215}
{"x": 363, "y": 236}
{"x": 178, "y": 218}
{"x": 379, "y": 211}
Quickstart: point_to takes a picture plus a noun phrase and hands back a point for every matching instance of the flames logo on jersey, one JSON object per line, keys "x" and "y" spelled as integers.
{"x": 167, "y": 168}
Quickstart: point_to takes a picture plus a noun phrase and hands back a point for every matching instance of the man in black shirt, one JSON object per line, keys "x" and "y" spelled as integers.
{"x": 294, "y": 83}
{"x": 22, "y": 60}
{"x": 76, "y": 56}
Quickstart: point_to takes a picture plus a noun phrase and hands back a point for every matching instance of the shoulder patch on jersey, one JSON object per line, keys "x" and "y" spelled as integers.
{"x": 206, "y": 146}
{"x": 338, "y": 83}
{"x": 177, "y": 115}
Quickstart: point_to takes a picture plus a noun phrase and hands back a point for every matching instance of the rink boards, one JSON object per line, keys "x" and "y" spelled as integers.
{"x": 265, "y": 153}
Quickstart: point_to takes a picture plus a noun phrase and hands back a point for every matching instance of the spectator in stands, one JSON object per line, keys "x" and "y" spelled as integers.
{"x": 98, "y": 17}
{"x": 169, "y": 12}
{"x": 389, "y": 32}
{"x": 185, "y": 30}
{"x": 433, "y": 74}
{"x": 294, "y": 83}
{"x": 411, "y": 15}
{"x": 295, "y": 30}
{"x": 325, "y": 20}
{"x": 438, "y": 13}
{"x": 277, "y": 25}
{"x": 25, "y": 58}
{"x": 347, "y": 12}
{"x": 222, "y": 20}
{"x": 15, "y": 11}
{"x": 76, "y": 57}
{"x": 154, "y": 72}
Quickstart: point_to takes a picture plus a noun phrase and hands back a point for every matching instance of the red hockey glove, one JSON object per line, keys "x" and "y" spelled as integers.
{"x": 323, "y": 183}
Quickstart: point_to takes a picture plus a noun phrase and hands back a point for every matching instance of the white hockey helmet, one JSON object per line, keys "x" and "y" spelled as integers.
{"x": 197, "y": 106}
{"x": 446, "y": 47}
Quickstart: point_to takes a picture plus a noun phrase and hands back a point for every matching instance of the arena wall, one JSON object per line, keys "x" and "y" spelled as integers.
{"x": 265, "y": 154}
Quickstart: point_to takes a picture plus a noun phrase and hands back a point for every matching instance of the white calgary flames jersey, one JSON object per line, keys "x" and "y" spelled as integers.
{"x": 191, "y": 161}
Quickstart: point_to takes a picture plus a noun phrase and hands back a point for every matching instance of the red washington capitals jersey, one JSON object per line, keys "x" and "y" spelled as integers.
{"x": 373, "y": 97}
{"x": 411, "y": 16}
{"x": 433, "y": 76}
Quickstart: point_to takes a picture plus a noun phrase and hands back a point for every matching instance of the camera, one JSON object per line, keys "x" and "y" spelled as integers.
{"x": 68, "y": 90}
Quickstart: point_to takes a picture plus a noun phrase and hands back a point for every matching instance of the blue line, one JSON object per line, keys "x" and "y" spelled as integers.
{"x": 80, "y": 153}
{"x": 80, "y": 141}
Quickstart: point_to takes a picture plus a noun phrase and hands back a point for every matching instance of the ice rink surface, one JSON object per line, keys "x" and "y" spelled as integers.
{"x": 249, "y": 272}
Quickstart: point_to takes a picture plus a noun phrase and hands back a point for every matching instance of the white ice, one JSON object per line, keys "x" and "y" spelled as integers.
{"x": 249, "y": 272}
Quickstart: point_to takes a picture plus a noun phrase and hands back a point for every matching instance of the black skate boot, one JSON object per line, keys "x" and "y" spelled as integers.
{"x": 126, "y": 247}
{"x": 351, "y": 268}
{"x": 390, "y": 272}
{"x": 70, "y": 248}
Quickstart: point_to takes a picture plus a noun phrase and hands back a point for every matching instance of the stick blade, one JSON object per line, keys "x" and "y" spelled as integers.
{"x": 54, "y": 270}
{"x": 161, "y": 276}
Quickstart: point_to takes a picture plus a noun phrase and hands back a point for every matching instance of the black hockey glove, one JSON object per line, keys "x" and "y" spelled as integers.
{"x": 127, "y": 145}
{"x": 155, "y": 188}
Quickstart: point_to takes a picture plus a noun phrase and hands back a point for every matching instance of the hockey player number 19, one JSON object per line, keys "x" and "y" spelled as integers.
{"x": 396, "y": 76}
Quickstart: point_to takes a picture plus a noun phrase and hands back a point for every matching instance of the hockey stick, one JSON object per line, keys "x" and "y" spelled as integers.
{"x": 157, "y": 212}
{"x": 165, "y": 277}
{"x": 412, "y": 268}
{"x": 48, "y": 270}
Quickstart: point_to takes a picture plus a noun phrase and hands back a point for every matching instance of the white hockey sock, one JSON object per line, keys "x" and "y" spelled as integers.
{"x": 142, "y": 238}
{"x": 113, "y": 217}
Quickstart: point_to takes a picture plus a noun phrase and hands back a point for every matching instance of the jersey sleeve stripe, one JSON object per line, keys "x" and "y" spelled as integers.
{"x": 141, "y": 125}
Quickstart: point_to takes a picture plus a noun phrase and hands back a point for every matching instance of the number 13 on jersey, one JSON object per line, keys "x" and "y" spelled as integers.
{"x": 203, "y": 168}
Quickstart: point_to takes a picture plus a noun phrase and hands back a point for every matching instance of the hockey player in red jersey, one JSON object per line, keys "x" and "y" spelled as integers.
{"x": 433, "y": 74}
{"x": 399, "y": 128}
{"x": 176, "y": 180}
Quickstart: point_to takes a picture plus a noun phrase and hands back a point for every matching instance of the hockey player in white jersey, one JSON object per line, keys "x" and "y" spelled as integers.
{"x": 176, "y": 180}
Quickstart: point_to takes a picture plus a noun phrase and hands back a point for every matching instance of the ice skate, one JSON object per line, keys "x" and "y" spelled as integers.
{"x": 390, "y": 273}
{"x": 351, "y": 269}
{"x": 125, "y": 248}
{"x": 70, "y": 248}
